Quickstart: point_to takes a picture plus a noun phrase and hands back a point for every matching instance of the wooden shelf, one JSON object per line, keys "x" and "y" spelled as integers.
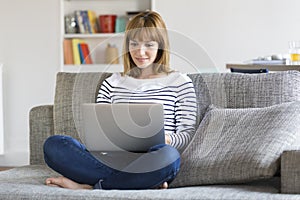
{"x": 264, "y": 66}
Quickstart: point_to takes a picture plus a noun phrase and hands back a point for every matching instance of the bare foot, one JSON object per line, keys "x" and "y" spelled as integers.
{"x": 69, "y": 184}
{"x": 66, "y": 183}
{"x": 163, "y": 186}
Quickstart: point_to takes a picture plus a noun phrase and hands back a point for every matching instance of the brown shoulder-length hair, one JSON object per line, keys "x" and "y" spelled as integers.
{"x": 147, "y": 25}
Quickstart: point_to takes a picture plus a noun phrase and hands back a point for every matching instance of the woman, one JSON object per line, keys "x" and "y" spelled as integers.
{"x": 147, "y": 77}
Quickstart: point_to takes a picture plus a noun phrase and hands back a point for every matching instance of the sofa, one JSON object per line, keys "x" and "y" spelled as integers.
{"x": 245, "y": 145}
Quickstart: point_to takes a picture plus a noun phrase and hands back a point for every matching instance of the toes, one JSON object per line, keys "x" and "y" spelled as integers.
{"x": 164, "y": 185}
{"x": 54, "y": 181}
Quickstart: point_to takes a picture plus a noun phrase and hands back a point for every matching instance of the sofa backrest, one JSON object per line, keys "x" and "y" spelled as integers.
{"x": 236, "y": 90}
{"x": 73, "y": 89}
{"x": 228, "y": 90}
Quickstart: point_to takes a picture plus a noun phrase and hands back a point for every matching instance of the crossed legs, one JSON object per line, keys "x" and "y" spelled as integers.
{"x": 81, "y": 170}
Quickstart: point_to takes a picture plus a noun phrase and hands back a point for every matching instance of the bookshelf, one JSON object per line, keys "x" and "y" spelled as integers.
{"x": 97, "y": 42}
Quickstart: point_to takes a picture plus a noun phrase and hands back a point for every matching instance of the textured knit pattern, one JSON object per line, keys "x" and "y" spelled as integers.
{"x": 175, "y": 92}
{"x": 73, "y": 89}
{"x": 234, "y": 90}
{"x": 27, "y": 183}
{"x": 239, "y": 145}
{"x": 40, "y": 123}
{"x": 223, "y": 90}
{"x": 290, "y": 171}
{"x": 62, "y": 109}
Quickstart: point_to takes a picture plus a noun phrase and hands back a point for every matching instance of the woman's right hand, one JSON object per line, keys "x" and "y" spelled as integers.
{"x": 167, "y": 139}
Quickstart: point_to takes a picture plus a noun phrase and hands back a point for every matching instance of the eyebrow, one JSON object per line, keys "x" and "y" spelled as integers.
{"x": 142, "y": 41}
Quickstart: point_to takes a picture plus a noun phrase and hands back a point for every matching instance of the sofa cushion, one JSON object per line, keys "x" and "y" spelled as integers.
{"x": 238, "y": 145}
{"x": 62, "y": 109}
{"x": 235, "y": 90}
{"x": 28, "y": 182}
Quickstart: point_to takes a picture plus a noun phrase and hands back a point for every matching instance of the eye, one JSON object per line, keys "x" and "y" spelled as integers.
{"x": 133, "y": 44}
{"x": 149, "y": 45}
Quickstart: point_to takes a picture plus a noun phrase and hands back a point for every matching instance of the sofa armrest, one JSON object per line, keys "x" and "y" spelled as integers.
{"x": 290, "y": 171}
{"x": 41, "y": 127}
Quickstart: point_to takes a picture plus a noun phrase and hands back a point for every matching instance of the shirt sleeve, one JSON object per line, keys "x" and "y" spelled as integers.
{"x": 185, "y": 116}
{"x": 107, "y": 89}
{"x": 104, "y": 93}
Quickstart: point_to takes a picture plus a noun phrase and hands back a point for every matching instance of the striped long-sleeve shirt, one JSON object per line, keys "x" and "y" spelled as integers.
{"x": 175, "y": 92}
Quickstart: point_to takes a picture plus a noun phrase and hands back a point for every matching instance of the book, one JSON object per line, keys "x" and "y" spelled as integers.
{"x": 93, "y": 21}
{"x": 84, "y": 52}
{"x": 86, "y": 21}
{"x": 68, "y": 52}
{"x": 76, "y": 53}
{"x": 79, "y": 21}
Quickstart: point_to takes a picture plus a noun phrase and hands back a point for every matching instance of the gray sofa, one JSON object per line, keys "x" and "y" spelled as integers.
{"x": 223, "y": 90}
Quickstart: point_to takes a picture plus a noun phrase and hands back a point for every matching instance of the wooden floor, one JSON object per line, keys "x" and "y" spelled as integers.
{"x": 5, "y": 168}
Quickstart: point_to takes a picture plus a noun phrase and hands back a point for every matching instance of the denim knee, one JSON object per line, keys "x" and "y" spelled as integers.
{"x": 52, "y": 142}
{"x": 51, "y": 146}
{"x": 171, "y": 170}
{"x": 157, "y": 147}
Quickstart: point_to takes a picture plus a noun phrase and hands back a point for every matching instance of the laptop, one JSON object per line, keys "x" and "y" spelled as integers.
{"x": 122, "y": 127}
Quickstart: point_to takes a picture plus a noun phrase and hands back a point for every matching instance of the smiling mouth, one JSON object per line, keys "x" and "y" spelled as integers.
{"x": 141, "y": 59}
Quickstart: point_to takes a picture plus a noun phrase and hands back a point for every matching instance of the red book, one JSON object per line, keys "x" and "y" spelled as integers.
{"x": 85, "y": 54}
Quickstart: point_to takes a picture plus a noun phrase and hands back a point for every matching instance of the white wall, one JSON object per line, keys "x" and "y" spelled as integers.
{"x": 29, "y": 51}
{"x": 230, "y": 31}
{"x": 235, "y": 30}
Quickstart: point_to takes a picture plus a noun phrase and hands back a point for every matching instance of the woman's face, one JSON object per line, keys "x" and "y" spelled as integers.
{"x": 143, "y": 53}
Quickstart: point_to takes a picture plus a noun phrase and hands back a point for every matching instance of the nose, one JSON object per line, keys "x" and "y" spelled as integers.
{"x": 142, "y": 50}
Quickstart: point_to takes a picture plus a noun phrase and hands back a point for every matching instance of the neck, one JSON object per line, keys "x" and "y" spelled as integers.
{"x": 150, "y": 76}
{"x": 146, "y": 73}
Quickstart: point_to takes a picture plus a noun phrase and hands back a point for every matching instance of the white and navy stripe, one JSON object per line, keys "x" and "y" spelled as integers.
{"x": 175, "y": 92}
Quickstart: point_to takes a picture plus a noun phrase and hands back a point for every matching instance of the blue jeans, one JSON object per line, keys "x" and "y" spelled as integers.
{"x": 71, "y": 159}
